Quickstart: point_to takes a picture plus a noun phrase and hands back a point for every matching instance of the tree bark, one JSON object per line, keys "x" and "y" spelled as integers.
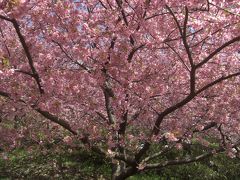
{"x": 121, "y": 172}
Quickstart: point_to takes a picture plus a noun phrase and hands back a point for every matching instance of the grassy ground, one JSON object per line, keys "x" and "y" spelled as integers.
{"x": 64, "y": 164}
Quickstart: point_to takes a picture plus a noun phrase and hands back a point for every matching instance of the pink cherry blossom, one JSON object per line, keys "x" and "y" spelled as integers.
{"x": 121, "y": 75}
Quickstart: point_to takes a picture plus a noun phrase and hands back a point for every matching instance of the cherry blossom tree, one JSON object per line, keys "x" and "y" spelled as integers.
{"x": 125, "y": 77}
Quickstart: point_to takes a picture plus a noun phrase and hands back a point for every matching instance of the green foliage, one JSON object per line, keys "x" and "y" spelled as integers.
{"x": 63, "y": 163}
{"x": 36, "y": 164}
{"x": 219, "y": 167}
{"x": 5, "y": 62}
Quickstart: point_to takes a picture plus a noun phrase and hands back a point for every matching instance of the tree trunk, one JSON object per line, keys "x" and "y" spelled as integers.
{"x": 120, "y": 171}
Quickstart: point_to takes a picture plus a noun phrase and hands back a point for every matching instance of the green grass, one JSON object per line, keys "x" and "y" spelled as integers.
{"x": 63, "y": 164}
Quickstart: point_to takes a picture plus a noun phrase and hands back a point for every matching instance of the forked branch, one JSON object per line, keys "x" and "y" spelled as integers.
{"x": 34, "y": 73}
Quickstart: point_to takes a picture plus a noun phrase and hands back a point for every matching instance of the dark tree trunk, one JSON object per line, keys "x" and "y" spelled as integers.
{"x": 121, "y": 172}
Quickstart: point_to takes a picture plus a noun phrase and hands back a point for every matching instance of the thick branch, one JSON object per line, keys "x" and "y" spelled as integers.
{"x": 5, "y": 18}
{"x": 205, "y": 128}
{"x": 45, "y": 114}
{"x": 188, "y": 99}
{"x": 4, "y": 94}
{"x": 102, "y": 4}
{"x": 184, "y": 38}
{"x": 180, "y": 104}
{"x": 175, "y": 19}
{"x": 24, "y": 72}
{"x": 183, "y": 34}
{"x": 222, "y": 135}
{"x": 35, "y": 75}
{"x": 210, "y": 56}
{"x": 28, "y": 54}
{"x": 123, "y": 124}
{"x": 217, "y": 81}
{"x": 57, "y": 120}
{"x": 102, "y": 116}
{"x": 157, "y": 154}
{"x": 126, "y": 159}
{"x": 113, "y": 41}
{"x": 187, "y": 160}
{"x": 133, "y": 51}
{"x": 109, "y": 109}
{"x": 183, "y": 161}
{"x": 119, "y": 3}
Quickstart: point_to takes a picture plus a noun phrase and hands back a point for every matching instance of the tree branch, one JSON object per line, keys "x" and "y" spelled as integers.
{"x": 133, "y": 51}
{"x": 119, "y": 3}
{"x": 183, "y": 34}
{"x": 205, "y": 128}
{"x": 109, "y": 109}
{"x": 217, "y": 81}
{"x": 4, "y": 94}
{"x": 157, "y": 154}
{"x": 55, "y": 119}
{"x": 70, "y": 58}
{"x": 210, "y": 56}
{"x": 222, "y": 135}
{"x": 45, "y": 114}
{"x": 35, "y": 74}
{"x": 181, "y": 59}
{"x": 180, "y": 104}
{"x": 175, "y": 19}
{"x": 24, "y": 72}
{"x": 183, "y": 161}
{"x": 184, "y": 38}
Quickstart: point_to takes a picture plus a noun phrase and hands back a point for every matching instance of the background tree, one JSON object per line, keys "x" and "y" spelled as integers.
{"x": 133, "y": 80}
